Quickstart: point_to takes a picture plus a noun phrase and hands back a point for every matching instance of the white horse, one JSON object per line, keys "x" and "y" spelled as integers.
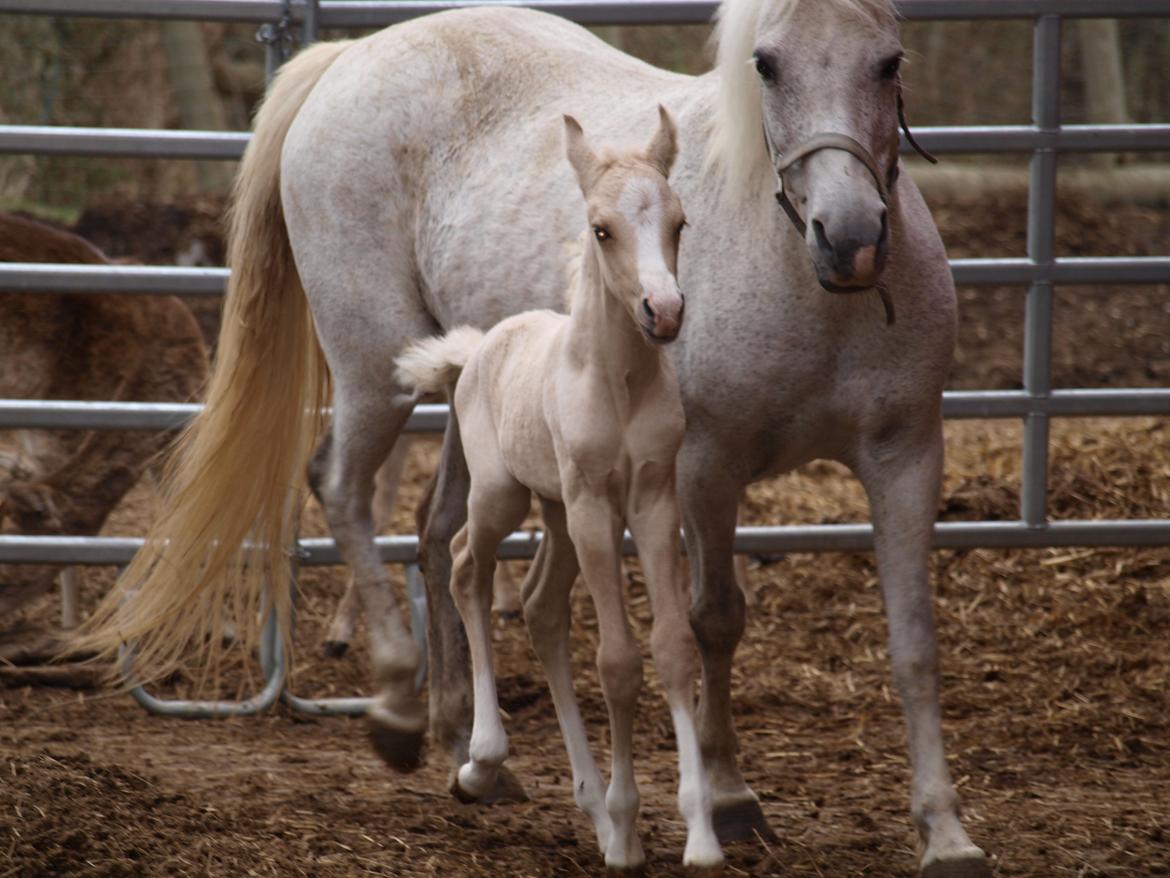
{"x": 410, "y": 181}
{"x": 584, "y": 410}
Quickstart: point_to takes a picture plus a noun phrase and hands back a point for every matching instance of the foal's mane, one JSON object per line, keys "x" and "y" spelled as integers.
{"x": 736, "y": 147}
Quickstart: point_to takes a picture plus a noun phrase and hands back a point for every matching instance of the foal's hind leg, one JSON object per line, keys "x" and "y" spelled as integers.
{"x": 493, "y": 511}
{"x": 547, "y": 590}
{"x": 366, "y": 421}
{"x": 709, "y": 491}
{"x": 902, "y": 481}
{"x": 344, "y": 622}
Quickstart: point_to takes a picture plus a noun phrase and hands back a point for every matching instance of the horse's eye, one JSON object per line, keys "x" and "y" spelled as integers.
{"x": 600, "y": 234}
{"x": 891, "y": 66}
{"x": 764, "y": 68}
{"x": 681, "y": 226}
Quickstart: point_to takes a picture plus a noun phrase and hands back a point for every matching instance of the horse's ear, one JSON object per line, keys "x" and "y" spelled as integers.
{"x": 663, "y": 149}
{"x": 581, "y": 157}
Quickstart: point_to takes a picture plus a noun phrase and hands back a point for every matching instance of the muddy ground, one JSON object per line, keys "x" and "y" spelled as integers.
{"x": 1055, "y": 671}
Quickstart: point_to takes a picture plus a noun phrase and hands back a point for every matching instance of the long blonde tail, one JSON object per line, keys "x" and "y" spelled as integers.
{"x": 434, "y": 364}
{"x": 236, "y": 472}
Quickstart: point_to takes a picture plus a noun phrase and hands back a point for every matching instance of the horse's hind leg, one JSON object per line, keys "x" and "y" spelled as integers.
{"x": 344, "y": 622}
{"x": 902, "y": 480}
{"x": 709, "y": 495}
{"x": 367, "y": 418}
{"x": 546, "y": 593}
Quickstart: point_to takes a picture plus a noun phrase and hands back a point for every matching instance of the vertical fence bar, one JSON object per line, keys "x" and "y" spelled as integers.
{"x": 1041, "y": 238}
{"x": 309, "y": 28}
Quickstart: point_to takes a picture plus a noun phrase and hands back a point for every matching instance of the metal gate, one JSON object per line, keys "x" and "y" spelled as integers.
{"x": 1036, "y": 404}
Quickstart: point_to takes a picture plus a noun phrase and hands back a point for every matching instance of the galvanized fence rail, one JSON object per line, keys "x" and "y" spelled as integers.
{"x": 1046, "y": 138}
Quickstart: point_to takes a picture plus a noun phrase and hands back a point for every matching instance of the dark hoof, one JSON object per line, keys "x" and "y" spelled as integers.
{"x": 509, "y": 615}
{"x": 507, "y": 791}
{"x": 741, "y": 821}
{"x": 971, "y": 864}
{"x": 459, "y": 793}
{"x": 335, "y": 648}
{"x": 400, "y": 749}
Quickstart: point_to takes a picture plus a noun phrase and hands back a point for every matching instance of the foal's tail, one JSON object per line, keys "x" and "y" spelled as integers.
{"x": 434, "y": 364}
{"x": 236, "y": 472}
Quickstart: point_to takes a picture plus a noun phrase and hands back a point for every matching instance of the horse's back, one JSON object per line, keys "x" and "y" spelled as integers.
{"x": 443, "y": 136}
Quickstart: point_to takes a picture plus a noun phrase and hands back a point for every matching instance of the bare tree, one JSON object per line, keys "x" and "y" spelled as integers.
{"x": 198, "y": 101}
{"x": 1100, "y": 43}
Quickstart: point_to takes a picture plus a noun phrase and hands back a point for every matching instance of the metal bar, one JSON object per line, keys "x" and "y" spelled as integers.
{"x": 1023, "y": 138}
{"x": 1041, "y": 244}
{"x": 47, "y": 277}
{"x": 118, "y": 551}
{"x": 372, "y": 13}
{"x": 274, "y": 680}
{"x": 122, "y": 142}
{"x": 35, "y": 414}
{"x": 229, "y": 145}
{"x": 32, "y": 414}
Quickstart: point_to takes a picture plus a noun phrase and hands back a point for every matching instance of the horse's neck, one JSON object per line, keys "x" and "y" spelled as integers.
{"x": 601, "y": 333}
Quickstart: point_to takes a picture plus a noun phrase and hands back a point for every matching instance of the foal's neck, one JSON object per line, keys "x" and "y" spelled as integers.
{"x": 603, "y": 334}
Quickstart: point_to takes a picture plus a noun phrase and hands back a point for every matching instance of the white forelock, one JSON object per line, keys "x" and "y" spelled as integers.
{"x": 736, "y": 147}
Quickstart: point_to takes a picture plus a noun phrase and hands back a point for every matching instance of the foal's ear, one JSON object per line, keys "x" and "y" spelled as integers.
{"x": 581, "y": 157}
{"x": 663, "y": 149}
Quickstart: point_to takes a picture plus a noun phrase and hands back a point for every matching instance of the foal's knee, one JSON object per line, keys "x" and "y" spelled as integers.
{"x": 676, "y": 656}
{"x": 619, "y": 666}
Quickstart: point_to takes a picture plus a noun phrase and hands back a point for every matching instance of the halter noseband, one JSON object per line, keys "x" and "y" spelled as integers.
{"x": 845, "y": 143}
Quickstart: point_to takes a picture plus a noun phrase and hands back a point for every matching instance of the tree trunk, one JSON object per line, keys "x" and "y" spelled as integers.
{"x": 1104, "y": 77}
{"x": 198, "y": 103}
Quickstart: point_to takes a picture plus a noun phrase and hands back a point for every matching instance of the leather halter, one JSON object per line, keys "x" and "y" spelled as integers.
{"x": 845, "y": 143}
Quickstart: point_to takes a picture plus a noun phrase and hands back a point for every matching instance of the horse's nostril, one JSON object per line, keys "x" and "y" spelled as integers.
{"x": 646, "y": 309}
{"x": 821, "y": 238}
{"x": 885, "y": 232}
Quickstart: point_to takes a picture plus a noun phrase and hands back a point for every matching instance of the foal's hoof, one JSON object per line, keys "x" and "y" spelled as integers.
{"x": 400, "y": 748}
{"x": 741, "y": 820}
{"x": 966, "y": 863}
{"x": 507, "y": 790}
{"x": 335, "y": 648}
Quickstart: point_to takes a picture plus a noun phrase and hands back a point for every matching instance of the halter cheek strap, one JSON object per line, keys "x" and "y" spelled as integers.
{"x": 832, "y": 140}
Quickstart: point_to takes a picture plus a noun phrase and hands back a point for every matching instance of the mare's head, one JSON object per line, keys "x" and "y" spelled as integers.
{"x": 635, "y": 220}
{"x": 810, "y": 88}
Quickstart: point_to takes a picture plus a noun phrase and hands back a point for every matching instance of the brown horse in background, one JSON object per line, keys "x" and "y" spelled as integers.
{"x": 80, "y": 347}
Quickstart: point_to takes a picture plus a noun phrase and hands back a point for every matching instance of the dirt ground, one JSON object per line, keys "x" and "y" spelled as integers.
{"x": 1055, "y": 670}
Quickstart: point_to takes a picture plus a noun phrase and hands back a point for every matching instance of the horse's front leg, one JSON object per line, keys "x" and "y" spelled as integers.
{"x": 902, "y": 477}
{"x": 596, "y": 530}
{"x": 654, "y": 521}
{"x": 709, "y": 494}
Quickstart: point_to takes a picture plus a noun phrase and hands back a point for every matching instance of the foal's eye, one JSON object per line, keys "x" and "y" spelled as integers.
{"x": 891, "y": 66}
{"x": 678, "y": 231}
{"x": 764, "y": 68}
{"x": 600, "y": 234}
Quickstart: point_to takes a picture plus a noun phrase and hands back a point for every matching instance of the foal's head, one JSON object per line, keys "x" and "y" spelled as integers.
{"x": 635, "y": 220}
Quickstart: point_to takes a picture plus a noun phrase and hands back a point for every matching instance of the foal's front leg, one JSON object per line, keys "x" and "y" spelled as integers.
{"x": 654, "y": 521}
{"x": 595, "y": 526}
{"x": 547, "y": 613}
{"x": 902, "y": 481}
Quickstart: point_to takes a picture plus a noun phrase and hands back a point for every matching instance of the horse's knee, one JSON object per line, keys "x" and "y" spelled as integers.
{"x": 718, "y": 616}
{"x": 676, "y": 656}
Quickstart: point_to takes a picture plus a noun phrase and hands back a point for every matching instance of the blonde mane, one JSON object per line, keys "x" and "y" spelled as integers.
{"x": 736, "y": 146}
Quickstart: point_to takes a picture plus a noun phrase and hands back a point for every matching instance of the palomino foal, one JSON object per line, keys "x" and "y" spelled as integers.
{"x": 584, "y": 410}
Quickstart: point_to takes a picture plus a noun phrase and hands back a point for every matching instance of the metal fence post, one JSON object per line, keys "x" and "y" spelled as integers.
{"x": 1041, "y": 237}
